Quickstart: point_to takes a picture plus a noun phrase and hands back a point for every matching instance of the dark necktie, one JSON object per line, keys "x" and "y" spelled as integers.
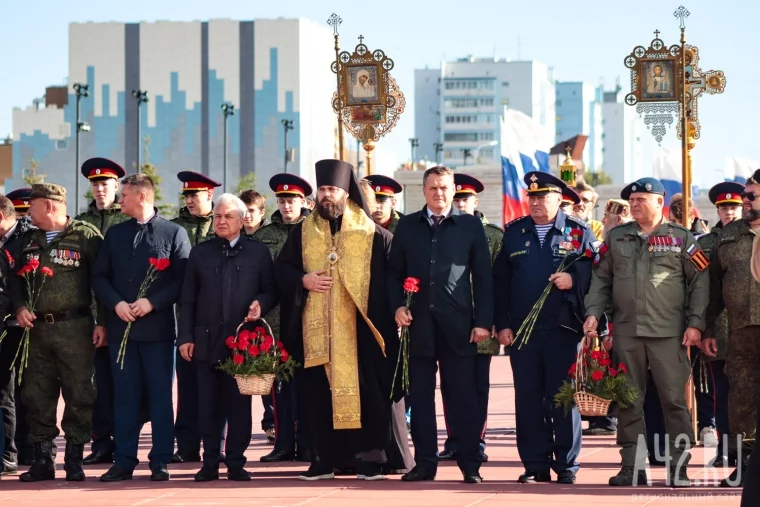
{"x": 436, "y": 221}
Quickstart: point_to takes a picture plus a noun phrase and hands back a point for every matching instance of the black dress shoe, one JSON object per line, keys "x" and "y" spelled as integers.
{"x": 159, "y": 473}
{"x": 417, "y": 475}
{"x": 483, "y": 457}
{"x": 239, "y": 475}
{"x": 447, "y": 455}
{"x": 116, "y": 474}
{"x": 531, "y": 476}
{"x": 276, "y": 455}
{"x": 186, "y": 458}
{"x": 207, "y": 474}
{"x": 566, "y": 477}
{"x": 472, "y": 478}
{"x": 98, "y": 458}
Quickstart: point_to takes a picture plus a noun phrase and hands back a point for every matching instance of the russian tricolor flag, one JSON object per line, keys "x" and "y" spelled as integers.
{"x": 525, "y": 146}
{"x": 666, "y": 167}
{"x": 738, "y": 169}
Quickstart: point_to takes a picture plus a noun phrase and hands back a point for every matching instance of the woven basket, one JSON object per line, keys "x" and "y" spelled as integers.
{"x": 254, "y": 385}
{"x": 589, "y": 405}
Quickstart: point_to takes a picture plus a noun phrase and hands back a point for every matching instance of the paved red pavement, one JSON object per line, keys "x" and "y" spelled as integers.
{"x": 275, "y": 485}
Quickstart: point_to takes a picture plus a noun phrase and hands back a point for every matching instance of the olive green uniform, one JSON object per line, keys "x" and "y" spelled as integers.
{"x": 199, "y": 229}
{"x": 393, "y": 222}
{"x": 103, "y": 219}
{"x": 655, "y": 292}
{"x": 495, "y": 236}
{"x": 61, "y": 351}
{"x": 708, "y": 243}
{"x": 733, "y": 291}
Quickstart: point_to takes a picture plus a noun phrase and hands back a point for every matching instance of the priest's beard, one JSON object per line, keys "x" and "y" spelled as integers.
{"x": 751, "y": 215}
{"x": 330, "y": 209}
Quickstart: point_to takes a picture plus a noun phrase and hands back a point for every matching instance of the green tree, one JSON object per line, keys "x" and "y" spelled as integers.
{"x": 30, "y": 174}
{"x": 165, "y": 210}
{"x": 597, "y": 178}
{"x": 246, "y": 182}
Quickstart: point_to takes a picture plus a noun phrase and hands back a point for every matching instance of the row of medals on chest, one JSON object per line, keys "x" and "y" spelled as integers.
{"x": 64, "y": 257}
{"x": 664, "y": 244}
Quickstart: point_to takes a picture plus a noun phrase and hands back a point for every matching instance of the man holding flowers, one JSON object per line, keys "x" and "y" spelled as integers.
{"x": 229, "y": 280}
{"x": 547, "y": 247}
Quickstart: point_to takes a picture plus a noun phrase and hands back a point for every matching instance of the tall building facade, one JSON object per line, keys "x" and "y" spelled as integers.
{"x": 460, "y": 105}
{"x": 579, "y": 111}
{"x": 622, "y": 139}
{"x": 270, "y": 70}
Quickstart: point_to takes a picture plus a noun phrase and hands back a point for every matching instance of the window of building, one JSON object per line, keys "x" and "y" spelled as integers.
{"x": 488, "y": 119}
{"x": 61, "y": 145}
{"x": 486, "y": 102}
{"x": 460, "y": 137}
{"x": 486, "y": 152}
{"x": 486, "y": 85}
{"x": 505, "y": 83}
{"x": 472, "y": 85}
{"x": 486, "y": 136}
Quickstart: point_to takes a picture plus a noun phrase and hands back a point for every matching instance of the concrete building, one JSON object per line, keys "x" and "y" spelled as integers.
{"x": 270, "y": 70}
{"x": 622, "y": 139}
{"x": 460, "y": 104}
{"x": 579, "y": 111}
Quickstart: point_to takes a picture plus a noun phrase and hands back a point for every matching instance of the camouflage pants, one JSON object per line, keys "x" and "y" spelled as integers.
{"x": 744, "y": 384}
{"x": 61, "y": 359}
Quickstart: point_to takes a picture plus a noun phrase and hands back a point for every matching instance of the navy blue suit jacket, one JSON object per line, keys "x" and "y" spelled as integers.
{"x": 120, "y": 269}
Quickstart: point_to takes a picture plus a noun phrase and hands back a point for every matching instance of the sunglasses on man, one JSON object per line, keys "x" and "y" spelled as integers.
{"x": 750, "y": 196}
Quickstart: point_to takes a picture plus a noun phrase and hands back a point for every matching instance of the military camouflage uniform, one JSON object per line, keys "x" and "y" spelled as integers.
{"x": 494, "y": 235}
{"x": 199, "y": 229}
{"x": 733, "y": 288}
{"x": 273, "y": 235}
{"x": 103, "y": 219}
{"x": 708, "y": 243}
{"x": 395, "y": 217}
{"x": 60, "y": 348}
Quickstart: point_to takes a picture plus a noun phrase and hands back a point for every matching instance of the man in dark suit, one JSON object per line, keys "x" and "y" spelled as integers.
{"x": 444, "y": 249}
{"x": 241, "y": 271}
{"x": 120, "y": 268}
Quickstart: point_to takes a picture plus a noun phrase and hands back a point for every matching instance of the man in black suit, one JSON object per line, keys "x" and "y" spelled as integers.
{"x": 241, "y": 271}
{"x": 446, "y": 250}
{"x": 119, "y": 270}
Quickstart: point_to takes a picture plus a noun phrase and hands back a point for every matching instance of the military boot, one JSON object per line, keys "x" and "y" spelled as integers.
{"x": 73, "y": 462}
{"x": 43, "y": 468}
{"x": 678, "y": 478}
{"x": 627, "y": 476}
{"x": 736, "y": 479}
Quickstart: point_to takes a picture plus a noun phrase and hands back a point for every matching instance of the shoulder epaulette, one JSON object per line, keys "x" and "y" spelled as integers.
{"x": 87, "y": 225}
{"x": 578, "y": 221}
{"x": 515, "y": 221}
{"x": 679, "y": 226}
{"x": 494, "y": 226}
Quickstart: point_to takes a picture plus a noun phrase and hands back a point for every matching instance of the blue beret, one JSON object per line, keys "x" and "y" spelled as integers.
{"x": 643, "y": 185}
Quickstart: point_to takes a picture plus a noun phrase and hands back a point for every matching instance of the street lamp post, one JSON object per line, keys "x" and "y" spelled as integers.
{"x": 477, "y": 150}
{"x": 141, "y": 96}
{"x": 287, "y": 125}
{"x": 438, "y": 149}
{"x": 413, "y": 143}
{"x": 466, "y": 152}
{"x": 228, "y": 109}
{"x": 81, "y": 91}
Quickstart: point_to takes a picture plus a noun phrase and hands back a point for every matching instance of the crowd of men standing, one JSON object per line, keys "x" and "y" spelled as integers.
{"x": 664, "y": 289}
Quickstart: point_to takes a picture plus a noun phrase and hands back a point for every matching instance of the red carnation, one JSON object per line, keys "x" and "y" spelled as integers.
{"x": 238, "y": 359}
{"x": 597, "y": 375}
{"x": 284, "y": 355}
{"x": 260, "y": 332}
{"x": 605, "y": 362}
{"x": 280, "y": 345}
{"x": 412, "y": 284}
{"x": 254, "y": 350}
{"x": 576, "y": 244}
{"x": 33, "y": 264}
{"x": 153, "y": 261}
{"x": 267, "y": 343}
{"x": 46, "y": 271}
{"x": 613, "y": 372}
{"x": 245, "y": 335}
{"x": 230, "y": 342}
{"x": 162, "y": 264}
{"x": 588, "y": 253}
{"x": 596, "y": 355}
{"x": 622, "y": 367}
{"x": 576, "y": 233}
{"x": 571, "y": 371}
{"x": 241, "y": 345}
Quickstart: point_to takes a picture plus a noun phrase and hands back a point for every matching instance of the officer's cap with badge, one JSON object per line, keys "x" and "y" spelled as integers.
{"x": 541, "y": 183}
{"x": 98, "y": 169}
{"x": 193, "y": 182}
{"x": 289, "y": 185}
{"x": 466, "y": 185}
{"x": 20, "y": 199}
{"x": 570, "y": 197}
{"x": 643, "y": 186}
{"x": 48, "y": 191}
{"x": 726, "y": 193}
{"x": 384, "y": 186}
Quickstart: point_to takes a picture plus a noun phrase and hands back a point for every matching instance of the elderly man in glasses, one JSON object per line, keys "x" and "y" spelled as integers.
{"x": 585, "y": 207}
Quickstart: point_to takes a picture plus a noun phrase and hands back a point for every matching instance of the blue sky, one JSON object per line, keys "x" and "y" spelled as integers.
{"x": 585, "y": 40}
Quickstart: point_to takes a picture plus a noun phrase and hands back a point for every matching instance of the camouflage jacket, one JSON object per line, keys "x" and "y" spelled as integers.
{"x": 273, "y": 235}
{"x": 732, "y": 286}
{"x": 393, "y": 222}
{"x": 103, "y": 219}
{"x": 264, "y": 223}
{"x": 199, "y": 229}
{"x": 74, "y": 249}
{"x": 708, "y": 242}
{"x": 495, "y": 236}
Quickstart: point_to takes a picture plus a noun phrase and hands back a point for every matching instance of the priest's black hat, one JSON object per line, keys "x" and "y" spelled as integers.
{"x": 336, "y": 173}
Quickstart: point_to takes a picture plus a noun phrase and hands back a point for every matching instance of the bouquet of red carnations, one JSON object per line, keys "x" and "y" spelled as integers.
{"x": 411, "y": 286}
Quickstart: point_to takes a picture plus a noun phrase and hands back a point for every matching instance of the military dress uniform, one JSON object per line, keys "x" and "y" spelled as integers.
{"x": 547, "y": 438}
{"x": 20, "y": 200}
{"x": 386, "y": 188}
{"x": 199, "y": 229}
{"x": 99, "y": 169}
{"x": 61, "y": 351}
{"x": 466, "y": 186}
{"x": 658, "y": 287}
{"x": 733, "y": 289}
{"x": 291, "y": 440}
